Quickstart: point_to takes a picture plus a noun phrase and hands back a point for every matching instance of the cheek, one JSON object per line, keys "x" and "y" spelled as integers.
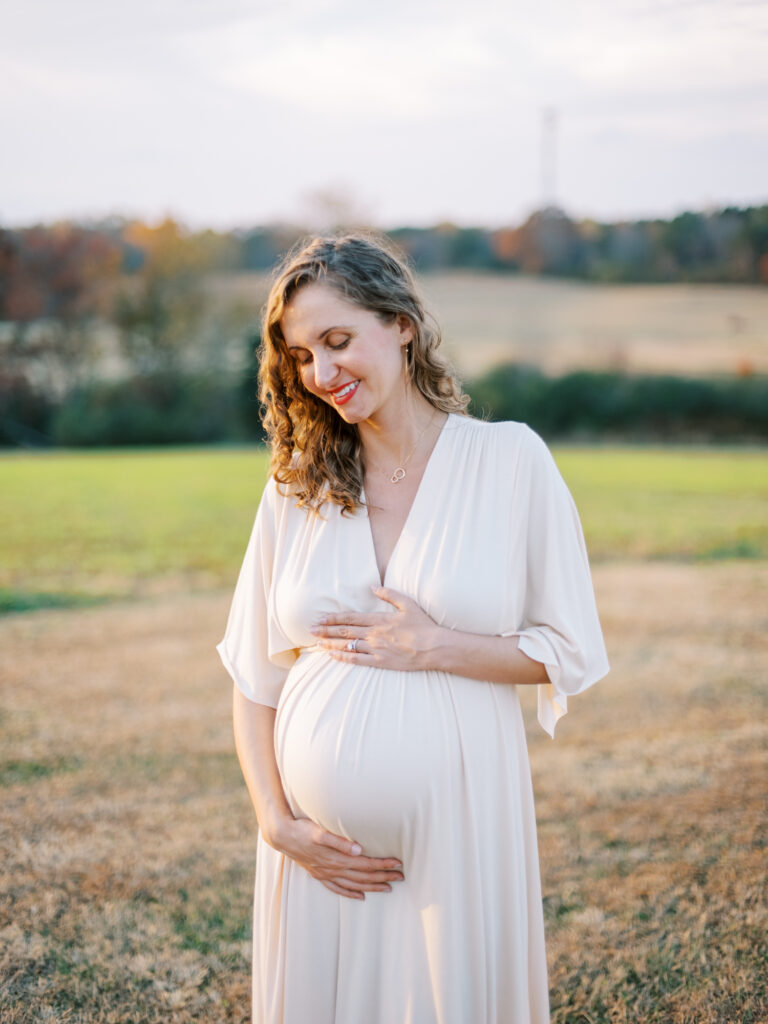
{"x": 307, "y": 378}
{"x": 393, "y": 365}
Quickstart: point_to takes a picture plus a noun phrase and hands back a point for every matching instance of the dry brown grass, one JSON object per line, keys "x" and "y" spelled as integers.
{"x": 563, "y": 325}
{"x": 652, "y": 807}
{"x": 127, "y": 840}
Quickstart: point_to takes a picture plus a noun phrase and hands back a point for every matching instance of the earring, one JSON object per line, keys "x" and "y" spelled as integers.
{"x": 410, "y": 360}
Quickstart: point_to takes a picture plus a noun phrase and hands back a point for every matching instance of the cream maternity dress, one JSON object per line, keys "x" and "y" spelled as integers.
{"x": 429, "y": 767}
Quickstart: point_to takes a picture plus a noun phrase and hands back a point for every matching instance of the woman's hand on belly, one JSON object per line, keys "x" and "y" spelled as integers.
{"x": 337, "y": 862}
{"x": 409, "y": 640}
{"x": 401, "y": 640}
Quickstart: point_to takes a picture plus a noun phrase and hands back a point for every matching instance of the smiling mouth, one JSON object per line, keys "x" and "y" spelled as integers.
{"x": 344, "y": 394}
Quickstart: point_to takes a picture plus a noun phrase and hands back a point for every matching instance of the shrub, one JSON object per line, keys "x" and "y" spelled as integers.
{"x": 597, "y": 404}
{"x": 25, "y": 413}
{"x": 151, "y": 409}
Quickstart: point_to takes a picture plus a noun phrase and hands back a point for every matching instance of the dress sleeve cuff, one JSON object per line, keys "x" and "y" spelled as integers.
{"x": 270, "y": 685}
{"x": 552, "y": 703}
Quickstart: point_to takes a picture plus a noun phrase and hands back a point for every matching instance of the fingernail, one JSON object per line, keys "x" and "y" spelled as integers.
{"x": 356, "y": 849}
{"x": 320, "y": 620}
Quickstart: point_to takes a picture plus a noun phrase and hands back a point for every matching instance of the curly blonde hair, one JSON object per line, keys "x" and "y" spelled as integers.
{"x": 315, "y": 454}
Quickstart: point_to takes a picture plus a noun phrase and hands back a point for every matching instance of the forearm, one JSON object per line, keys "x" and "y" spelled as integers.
{"x": 495, "y": 659}
{"x": 254, "y": 727}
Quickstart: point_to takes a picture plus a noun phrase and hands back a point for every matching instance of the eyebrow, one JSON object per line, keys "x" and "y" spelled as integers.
{"x": 323, "y": 335}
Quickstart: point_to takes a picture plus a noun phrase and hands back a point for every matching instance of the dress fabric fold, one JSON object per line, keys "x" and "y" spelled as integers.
{"x": 426, "y": 766}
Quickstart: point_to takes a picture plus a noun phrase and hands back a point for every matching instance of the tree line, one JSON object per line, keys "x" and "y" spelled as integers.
{"x": 724, "y": 245}
{"x": 108, "y": 334}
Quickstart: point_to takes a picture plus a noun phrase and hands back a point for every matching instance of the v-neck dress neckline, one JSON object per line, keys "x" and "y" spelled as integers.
{"x": 381, "y": 578}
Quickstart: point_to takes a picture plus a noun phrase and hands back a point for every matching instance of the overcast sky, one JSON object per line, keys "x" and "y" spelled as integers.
{"x": 226, "y": 112}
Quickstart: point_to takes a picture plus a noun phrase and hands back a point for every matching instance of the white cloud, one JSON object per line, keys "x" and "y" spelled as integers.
{"x": 41, "y": 78}
{"x": 413, "y": 75}
{"x": 694, "y": 48}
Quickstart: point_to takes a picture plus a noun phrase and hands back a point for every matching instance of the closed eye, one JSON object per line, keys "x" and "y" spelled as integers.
{"x": 303, "y": 356}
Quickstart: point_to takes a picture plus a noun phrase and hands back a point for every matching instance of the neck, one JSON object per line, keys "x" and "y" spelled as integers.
{"x": 388, "y": 440}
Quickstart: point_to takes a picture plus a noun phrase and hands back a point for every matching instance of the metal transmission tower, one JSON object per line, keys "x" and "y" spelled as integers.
{"x": 548, "y": 157}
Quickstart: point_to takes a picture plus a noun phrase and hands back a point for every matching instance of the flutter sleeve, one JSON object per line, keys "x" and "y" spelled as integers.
{"x": 560, "y": 627}
{"x": 254, "y": 650}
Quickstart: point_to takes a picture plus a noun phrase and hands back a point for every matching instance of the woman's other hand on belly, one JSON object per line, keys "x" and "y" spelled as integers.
{"x": 338, "y": 863}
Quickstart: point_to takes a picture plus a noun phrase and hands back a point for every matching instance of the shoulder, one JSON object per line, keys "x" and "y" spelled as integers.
{"x": 276, "y": 501}
{"x": 489, "y": 428}
{"x": 509, "y": 450}
{"x": 272, "y": 494}
{"x": 281, "y": 503}
{"x": 505, "y": 437}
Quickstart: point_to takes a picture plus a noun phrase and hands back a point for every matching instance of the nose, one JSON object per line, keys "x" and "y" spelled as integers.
{"x": 325, "y": 369}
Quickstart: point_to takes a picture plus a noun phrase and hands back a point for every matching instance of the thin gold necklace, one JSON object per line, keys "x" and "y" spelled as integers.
{"x": 399, "y": 472}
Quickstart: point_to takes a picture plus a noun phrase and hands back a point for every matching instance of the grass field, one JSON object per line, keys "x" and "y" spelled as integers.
{"x": 136, "y": 522}
{"x": 126, "y": 837}
{"x": 127, "y": 841}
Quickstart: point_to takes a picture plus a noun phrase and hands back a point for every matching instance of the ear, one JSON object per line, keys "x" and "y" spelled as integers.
{"x": 405, "y": 327}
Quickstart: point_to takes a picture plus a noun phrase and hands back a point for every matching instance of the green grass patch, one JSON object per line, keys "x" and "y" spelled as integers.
{"x": 210, "y": 919}
{"x": 26, "y": 601}
{"x": 110, "y": 522}
{"x": 73, "y": 525}
{"x": 672, "y": 503}
{"x": 13, "y": 772}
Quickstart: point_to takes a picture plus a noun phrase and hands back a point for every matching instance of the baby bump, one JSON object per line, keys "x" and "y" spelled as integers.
{"x": 357, "y": 751}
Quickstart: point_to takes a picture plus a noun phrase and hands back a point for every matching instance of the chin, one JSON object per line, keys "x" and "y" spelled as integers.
{"x": 351, "y": 413}
{"x": 351, "y": 416}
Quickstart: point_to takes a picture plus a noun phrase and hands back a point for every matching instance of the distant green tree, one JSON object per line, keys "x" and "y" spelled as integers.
{"x": 250, "y": 406}
{"x": 471, "y": 249}
{"x": 756, "y": 235}
{"x": 685, "y": 238}
{"x": 158, "y": 309}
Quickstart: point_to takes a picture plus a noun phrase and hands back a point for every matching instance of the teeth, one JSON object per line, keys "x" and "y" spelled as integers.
{"x": 347, "y": 389}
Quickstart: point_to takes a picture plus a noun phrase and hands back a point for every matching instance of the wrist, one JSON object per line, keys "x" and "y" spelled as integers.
{"x": 276, "y": 828}
{"x": 439, "y": 654}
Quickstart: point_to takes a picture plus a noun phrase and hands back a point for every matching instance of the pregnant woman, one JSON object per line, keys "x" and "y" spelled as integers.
{"x": 409, "y": 567}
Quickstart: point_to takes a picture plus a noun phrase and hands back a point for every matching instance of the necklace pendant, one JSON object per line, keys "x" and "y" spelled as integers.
{"x": 397, "y": 476}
